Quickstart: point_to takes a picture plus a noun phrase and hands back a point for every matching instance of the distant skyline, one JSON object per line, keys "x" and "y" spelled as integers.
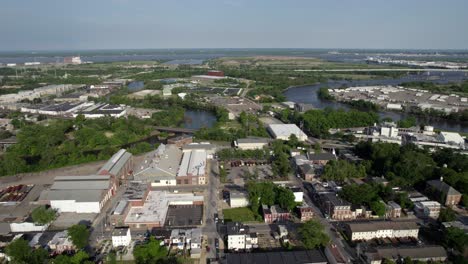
{"x": 153, "y": 24}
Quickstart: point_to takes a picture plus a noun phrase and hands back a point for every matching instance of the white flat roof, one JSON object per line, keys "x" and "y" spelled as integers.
{"x": 285, "y": 130}
{"x": 156, "y": 205}
{"x": 193, "y": 163}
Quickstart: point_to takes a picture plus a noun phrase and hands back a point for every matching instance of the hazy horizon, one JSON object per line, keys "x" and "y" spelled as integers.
{"x": 51, "y": 25}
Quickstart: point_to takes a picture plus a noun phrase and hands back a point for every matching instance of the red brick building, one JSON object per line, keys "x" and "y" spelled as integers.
{"x": 275, "y": 214}
{"x": 216, "y": 73}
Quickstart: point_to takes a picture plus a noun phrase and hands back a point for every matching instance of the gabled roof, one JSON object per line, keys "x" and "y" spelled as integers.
{"x": 443, "y": 187}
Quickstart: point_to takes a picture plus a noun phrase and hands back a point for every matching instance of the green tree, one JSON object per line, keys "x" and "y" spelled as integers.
{"x": 341, "y": 170}
{"x": 42, "y": 215}
{"x": 293, "y": 141}
{"x": 456, "y": 238}
{"x": 222, "y": 174}
{"x": 281, "y": 166}
{"x": 285, "y": 198}
{"x": 151, "y": 252}
{"x": 79, "y": 235}
{"x": 313, "y": 235}
{"x": 378, "y": 208}
{"x": 19, "y": 251}
{"x": 447, "y": 215}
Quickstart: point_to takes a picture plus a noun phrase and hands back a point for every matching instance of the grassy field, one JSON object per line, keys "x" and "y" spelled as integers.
{"x": 242, "y": 214}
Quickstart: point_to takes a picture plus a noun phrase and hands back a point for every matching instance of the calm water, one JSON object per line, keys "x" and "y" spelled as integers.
{"x": 196, "y": 119}
{"x": 136, "y": 86}
{"x": 308, "y": 94}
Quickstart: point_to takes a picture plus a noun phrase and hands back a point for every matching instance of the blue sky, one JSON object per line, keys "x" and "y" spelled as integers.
{"x": 115, "y": 24}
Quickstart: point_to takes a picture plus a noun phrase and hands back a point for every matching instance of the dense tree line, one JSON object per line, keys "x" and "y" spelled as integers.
{"x": 409, "y": 165}
{"x": 318, "y": 122}
{"x": 68, "y": 142}
{"x": 342, "y": 170}
{"x": 229, "y": 153}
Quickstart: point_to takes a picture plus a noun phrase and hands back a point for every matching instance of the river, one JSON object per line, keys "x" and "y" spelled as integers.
{"x": 308, "y": 94}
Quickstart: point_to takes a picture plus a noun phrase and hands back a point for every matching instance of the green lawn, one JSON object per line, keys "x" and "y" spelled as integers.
{"x": 242, "y": 214}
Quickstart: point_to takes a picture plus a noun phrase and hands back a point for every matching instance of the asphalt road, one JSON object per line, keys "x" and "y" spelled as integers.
{"x": 211, "y": 207}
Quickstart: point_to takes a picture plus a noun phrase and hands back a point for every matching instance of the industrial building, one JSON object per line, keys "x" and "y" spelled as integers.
{"x": 102, "y": 110}
{"x": 119, "y": 166}
{"x": 155, "y": 210}
{"x": 192, "y": 169}
{"x": 160, "y": 166}
{"x": 284, "y": 131}
{"x": 79, "y": 194}
{"x": 380, "y": 229}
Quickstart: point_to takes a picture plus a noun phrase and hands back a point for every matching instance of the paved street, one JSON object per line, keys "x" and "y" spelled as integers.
{"x": 211, "y": 207}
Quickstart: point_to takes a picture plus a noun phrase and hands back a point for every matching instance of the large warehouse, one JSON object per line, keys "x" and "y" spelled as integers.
{"x": 120, "y": 165}
{"x": 284, "y": 131}
{"x": 79, "y": 194}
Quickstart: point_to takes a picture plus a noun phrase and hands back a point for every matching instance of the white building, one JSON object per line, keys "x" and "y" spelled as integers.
{"x": 121, "y": 237}
{"x": 451, "y": 138}
{"x": 427, "y": 209}
{"x": 79, "y": 194}
{"x": 284, "y": 131}
{"x": 238, "y": 199}
{"x": 371, "y": 230}
{"x": 251, "y": 143}
{"x": 239, "y": 238}
{"x": 27, "y": 227}
{"x": 298, "y": 194}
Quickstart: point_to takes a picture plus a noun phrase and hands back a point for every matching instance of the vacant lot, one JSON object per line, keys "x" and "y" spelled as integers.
{"x": 242, "y": 214}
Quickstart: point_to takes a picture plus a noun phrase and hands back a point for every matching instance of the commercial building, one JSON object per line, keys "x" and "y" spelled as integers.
{"x": 117, "y": 216}
{"x": 380, "y": 229}
{"x": 238, "y": 199}
{"x": 277, "y": 257}
{"x": 155, "y": 210}
{"x": 445, "y": 193}
{"x": 427, "y": 209}
{"x": 119, "y": 166}
{"x": 398, "y": 254}
{"x": 239, "y": 238}
{"x": 79, "y": 194}
{"x": 284, "y": 131}
{"x": 274, "y": 214}
{"x": 251, "y": 143}
{"x": 121, "y": 237}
